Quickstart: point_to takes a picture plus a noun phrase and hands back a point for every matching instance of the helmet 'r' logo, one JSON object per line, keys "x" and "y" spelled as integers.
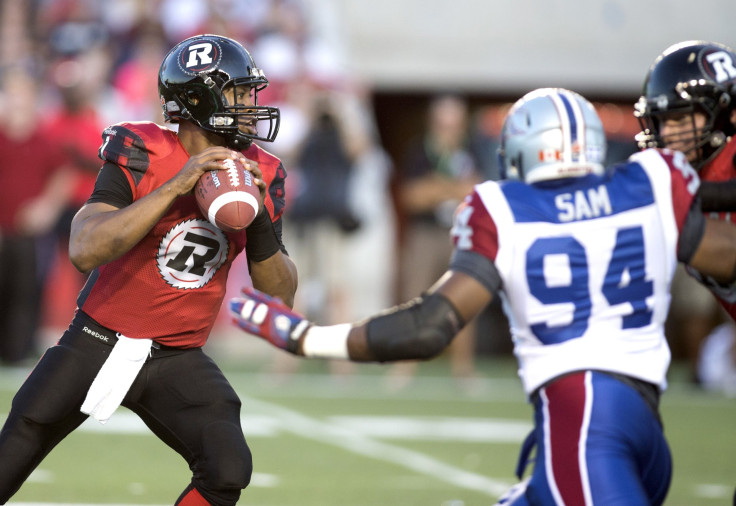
{"x": 722, "y": 65}
{"x": 200, "y": 57}
{"x": 190, "y": 254}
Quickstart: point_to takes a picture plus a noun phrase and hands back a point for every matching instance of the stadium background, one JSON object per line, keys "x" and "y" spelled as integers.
{"x": 391, "y": 57}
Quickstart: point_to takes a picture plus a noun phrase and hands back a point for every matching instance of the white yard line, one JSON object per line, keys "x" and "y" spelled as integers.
{"x": 356, "y": 442}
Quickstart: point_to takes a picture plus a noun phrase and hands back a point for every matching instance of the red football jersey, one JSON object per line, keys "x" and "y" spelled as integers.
{"x": 169, "y": 286}
{"x": 721, "y": 168}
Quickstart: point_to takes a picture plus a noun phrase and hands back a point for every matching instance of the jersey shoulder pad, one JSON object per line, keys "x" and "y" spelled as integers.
{"x": 274, "y": 175}
{"x": 257, "y": 153}
{"x": 675, "y": 163}
{"x": 131, "y": 145}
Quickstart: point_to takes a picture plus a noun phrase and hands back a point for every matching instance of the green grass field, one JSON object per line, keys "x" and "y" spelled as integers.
{"x": 352, "y": 440}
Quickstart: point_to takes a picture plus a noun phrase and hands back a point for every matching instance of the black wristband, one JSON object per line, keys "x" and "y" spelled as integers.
{"x": 261, "y": 240}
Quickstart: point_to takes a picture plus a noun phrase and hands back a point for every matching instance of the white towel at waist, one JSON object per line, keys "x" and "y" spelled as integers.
{"x": 115, "y": 377}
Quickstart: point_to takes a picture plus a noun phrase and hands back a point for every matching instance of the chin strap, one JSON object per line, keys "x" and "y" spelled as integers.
{"x": 239, "y": 142}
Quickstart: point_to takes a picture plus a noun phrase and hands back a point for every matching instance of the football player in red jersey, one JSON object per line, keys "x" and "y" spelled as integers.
{"x": 689, "y": 104}
{"x": 158, "y": 271}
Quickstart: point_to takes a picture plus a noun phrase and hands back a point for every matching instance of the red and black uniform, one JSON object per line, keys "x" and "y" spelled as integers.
{"x": 167, "y": 288}
{"x": 182, "y": 264}
{"x": 719, "y": 170}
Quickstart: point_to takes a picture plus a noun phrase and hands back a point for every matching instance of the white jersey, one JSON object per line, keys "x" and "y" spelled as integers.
{"x": 585, "y": 264}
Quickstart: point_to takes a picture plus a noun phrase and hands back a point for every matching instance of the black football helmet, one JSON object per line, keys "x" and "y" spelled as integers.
{"x": 191, "y": 81}
{"x": 690, "y": 76}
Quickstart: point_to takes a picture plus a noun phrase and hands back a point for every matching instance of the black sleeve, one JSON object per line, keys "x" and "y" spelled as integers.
{"x": 691, "y": 234}
{"x": 277, "y": 193}
{"x": 278, "y": 228}
{"x": 718, "y": 196}
{"x": 477, "y": 266}
{"x": 112, "y": 187}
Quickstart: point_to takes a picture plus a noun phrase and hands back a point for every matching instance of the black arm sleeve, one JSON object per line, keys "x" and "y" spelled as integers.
{"x": 112, "y": 187}
{"x": 691, "y": 234}
{"x": 477, "y": 266}
{"x": 418, "y": 329}
{"x": 718, "y": 196}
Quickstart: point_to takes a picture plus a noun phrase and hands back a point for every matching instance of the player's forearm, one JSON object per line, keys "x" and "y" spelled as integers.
{"x": 715, "y": 255}
{"x": 417, "y": 330}
{"x": 358, "y": 349}
{"x": 102, "y": 233}
{"x": 275, "y": 276}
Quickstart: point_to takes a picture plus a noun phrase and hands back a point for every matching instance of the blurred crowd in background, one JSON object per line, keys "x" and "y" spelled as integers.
{"x": 72, "y": 67}
{"x": 366, "y": 222}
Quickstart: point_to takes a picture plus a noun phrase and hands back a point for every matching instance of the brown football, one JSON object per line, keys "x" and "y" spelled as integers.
{"x": 228, "y": 198}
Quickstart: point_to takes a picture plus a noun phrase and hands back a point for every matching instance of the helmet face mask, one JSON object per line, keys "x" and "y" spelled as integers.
{"x": 693, "y": 84}
{"x": 213, "y": 82}
{"x": 551, "y": 133}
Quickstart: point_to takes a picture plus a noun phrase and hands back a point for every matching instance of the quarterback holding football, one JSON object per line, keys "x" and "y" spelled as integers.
{"x": 157, "y": 275}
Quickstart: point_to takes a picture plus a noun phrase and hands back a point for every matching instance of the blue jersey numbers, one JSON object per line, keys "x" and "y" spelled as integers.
{"x": 558, "y": 272}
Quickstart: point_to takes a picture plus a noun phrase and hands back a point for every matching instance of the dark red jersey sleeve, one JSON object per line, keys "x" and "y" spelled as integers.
{"x": 685, "y": 184}
{"x": 274, "y": 176}
{"x": 131, "y": 146}
{"x": 474, "y": 228}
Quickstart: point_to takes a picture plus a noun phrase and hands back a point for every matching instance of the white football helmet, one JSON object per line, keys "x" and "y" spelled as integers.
{"x": 551, "y": 133}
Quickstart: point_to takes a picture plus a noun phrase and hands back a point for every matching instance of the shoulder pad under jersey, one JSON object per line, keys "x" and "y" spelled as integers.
{"x": 274, "y": 175}
{"x": 131, "y": 145}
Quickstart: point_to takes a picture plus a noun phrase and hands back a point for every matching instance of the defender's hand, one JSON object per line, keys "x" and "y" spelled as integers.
{"x": 269, "y": 318}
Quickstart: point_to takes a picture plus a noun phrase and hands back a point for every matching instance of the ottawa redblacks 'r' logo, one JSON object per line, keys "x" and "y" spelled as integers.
{"x": 200, "y": 56}
{"x": 190, "y": 254}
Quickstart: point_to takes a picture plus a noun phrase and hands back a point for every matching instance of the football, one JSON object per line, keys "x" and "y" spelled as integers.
{"x": 228, "y": 198}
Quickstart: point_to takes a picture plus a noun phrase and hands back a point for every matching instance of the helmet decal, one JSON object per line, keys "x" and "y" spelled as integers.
{"x": 719, "y": 65}
{"x": 197, "y": 57}
{"x": 570, "y": 117}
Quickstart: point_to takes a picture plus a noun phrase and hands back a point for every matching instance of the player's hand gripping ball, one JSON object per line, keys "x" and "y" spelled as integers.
{"x": 228, "y": 198}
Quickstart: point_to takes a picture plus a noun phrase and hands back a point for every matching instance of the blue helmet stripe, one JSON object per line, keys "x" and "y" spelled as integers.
{"x": 572, "y": 123}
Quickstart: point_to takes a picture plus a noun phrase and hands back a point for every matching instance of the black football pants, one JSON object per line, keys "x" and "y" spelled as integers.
{"x": 181, "y": 395}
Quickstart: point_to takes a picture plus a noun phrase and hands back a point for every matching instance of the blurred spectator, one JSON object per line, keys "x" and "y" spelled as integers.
{"x": 75, "y": 124}
{"x": 485, "y": 140}
{"x": 134, "y": 94}
{"x": 302, "y": 61}
{"x": 71, "y": 27}
{"x": 439, "y": 170}
{"x": 34, "y": 191}
{"x": 324, "y": 170}
{"x": 341, "y": 217}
